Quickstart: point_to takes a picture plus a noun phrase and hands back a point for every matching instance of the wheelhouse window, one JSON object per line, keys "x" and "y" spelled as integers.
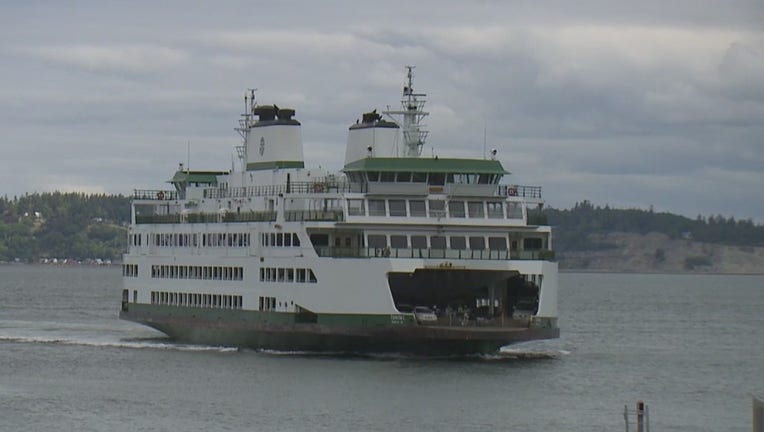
{"x": 373, "y": 176}
{"x": 419, "y": 177}
{"x": 387, "y": 177}
{"x": 438, "y": 179}
{"x": 404, "y": 177}
{"x": 417, "y": 208}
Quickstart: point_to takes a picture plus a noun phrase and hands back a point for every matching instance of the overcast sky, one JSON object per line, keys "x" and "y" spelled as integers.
{"x": 630, "y": 104}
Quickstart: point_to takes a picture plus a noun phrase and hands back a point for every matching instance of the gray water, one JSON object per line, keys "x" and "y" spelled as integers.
{"x": 690, "y": 346}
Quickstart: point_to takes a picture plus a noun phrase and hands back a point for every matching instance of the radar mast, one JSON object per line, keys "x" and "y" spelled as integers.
{"x": 413, "y": 113}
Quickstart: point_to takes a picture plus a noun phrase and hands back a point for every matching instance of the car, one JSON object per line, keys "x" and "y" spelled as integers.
{"x": 424, "y": 314}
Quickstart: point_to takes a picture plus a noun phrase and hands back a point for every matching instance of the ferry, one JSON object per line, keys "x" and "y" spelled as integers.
{"x": 397, "y": 252}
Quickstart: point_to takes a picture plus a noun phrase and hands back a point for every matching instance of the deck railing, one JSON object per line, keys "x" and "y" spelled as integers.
{"x": 428, "y": 253}
{"x": 155, "y": 194}
{"x": 519, "y": 191}
{"x": 251, "y": 216}
{"x": 314, "y": 215}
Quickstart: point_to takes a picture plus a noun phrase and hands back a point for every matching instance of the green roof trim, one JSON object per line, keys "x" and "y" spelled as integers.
{"x": 209, "y": 177}
{"x": 429, "y": 165}
{"x": 272, "y": 165}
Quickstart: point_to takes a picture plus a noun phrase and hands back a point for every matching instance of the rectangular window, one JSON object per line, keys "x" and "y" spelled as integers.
{"x": 417, "y": 208}
{"x": 295, "y": 240}
{"x": 532, "y": 243}
{"x": 418, "y": 242}
{"x": 404, "y": 177}
{"x": 458, "y": 242}
{"x": 437, "y": 208}
{"x": 514, "y": 211}
{"x": 290, "y": 275}
{"x": 356, "y": 207}
{"x": 456, "y": 209}
{"x": 279, "y": 239}
{"x": 475, "y": 209}
{"x": 288, "y": 239}
{"x": 387, "y": 177}
{"x": 301, "y": 275}
{"x": 311, "y": 277}
{"x": 438, "y": 179}
{"x": 377, "y": 208}
{"x": 495, "y": 210}
{"x": 373, "y": 176}
{"x": 377, "y": 241}
{"x": 438, "y": 242}
{"x": 497, "y": 243}
{"x": 397, "y": 208}
{"x": 399, "y": 241}
{"x": 419, "y": 177}
{"x": 477, "y": 243}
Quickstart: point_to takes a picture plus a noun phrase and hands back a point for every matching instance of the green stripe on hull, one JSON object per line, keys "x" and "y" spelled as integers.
{"x": 335, "y": 333}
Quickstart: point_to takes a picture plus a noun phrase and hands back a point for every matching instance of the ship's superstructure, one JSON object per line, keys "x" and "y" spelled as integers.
{"x": 397, "y": 252}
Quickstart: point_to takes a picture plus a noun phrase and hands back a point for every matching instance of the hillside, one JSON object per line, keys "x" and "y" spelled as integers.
{"x": 64, "y": 226}
{"x": 593, "y": 238}
{"x": 657, "y": 252}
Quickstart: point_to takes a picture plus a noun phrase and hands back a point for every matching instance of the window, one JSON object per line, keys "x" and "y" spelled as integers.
{"x": 495, "y": 210}
{"x": 418, "y": 242}
{"x": 438, "y": 179}
{"x": 475, "y": 209}
{"x": 458, "y": 243}
{"x": 532, "y": 243}
{"x": 404, "y": 177}
{"x": 387, "y": 177}
{"x": 417, "y": 209}
{"x": 477, "y": 243}
{"x": 373, "y": 176}
{"x": 438, "y": 242}
{"x": 288, "y": 239}
{"x": 377, "y": 241}
{"x": 419, "y": 177}
{"x": 514, "y": 211}
{"x": 399, "y": 241}
{"x": 356, "y": 207}
{"x": 377, "y": 208}
{"x": 311, "y": 276}
{"x": 437, "y": 208}
{"x": 497, "y": 243}
{"x": 456, "y": 209}
{"x": 295, "y": 240}
{"x": 397, "y": 208}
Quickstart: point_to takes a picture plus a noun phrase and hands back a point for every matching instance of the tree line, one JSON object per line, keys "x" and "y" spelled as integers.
{"x": 89, "y": 226}
{"x": 63, "y": 225}
{"x": 574, "y": 226}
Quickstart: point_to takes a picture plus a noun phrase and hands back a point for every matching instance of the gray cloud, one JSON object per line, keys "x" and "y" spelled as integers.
{"x": 650, "y": 103}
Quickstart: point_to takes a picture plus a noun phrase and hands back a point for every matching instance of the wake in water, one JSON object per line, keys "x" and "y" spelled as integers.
{"x": 118, "y": 335}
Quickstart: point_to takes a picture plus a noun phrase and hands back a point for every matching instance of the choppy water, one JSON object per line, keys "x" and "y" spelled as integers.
{"x": 690, "y": 346}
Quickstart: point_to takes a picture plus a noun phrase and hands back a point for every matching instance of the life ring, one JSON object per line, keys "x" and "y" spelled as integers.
{"x": 512, "y": 191}
{"x": 160, "y": 195}
{"x": 318, "y": 187}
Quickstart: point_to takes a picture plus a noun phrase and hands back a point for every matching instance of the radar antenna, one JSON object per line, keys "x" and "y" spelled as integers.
{"x": 413, "y": 113}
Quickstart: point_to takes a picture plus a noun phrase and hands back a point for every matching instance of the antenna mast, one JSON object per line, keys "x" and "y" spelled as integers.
{"x": 413, "y": 113}
{"x": 245, "y": 123}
